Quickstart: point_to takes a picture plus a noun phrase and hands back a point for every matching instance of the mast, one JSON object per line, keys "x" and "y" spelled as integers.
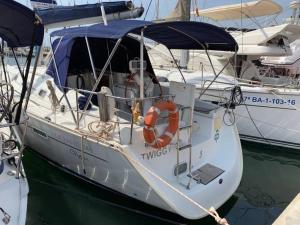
{"x": 182, "y": 12}
{"x": 185, "y": 6}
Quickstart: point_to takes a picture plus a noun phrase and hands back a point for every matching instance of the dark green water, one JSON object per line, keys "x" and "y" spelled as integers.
{"x": 270, "y": 181}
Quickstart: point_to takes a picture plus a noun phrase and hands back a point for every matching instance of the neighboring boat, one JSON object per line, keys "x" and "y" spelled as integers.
{"x": 265, "y": 113}
{"x": 13, "y": 182}
{"x": 13, "y": 192}
{"x": 283, "y": 70}
{"x": 189, "y": 158}
{"x": 57, "y": 16}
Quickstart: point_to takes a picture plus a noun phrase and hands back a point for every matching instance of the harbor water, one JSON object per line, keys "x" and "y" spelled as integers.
{"x": 270, "y": 181}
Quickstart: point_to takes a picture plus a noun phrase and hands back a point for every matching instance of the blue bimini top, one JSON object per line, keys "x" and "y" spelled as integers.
{"x": 19, "y": 26}
{"x": 174, "y": 35}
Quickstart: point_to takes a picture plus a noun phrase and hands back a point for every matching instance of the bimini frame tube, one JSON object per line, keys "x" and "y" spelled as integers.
{"x": 91, "y": 58}
{"x": 57, "y": 75}
{"x": 53, "y": 58}
{"x": 142, "y": 65}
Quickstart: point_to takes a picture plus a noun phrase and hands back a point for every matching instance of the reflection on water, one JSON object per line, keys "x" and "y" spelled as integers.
{"x": 270, "y": 181}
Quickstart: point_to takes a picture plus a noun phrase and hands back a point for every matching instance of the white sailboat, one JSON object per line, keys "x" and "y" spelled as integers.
{"x": 264, "y": 113}
{"x": 14, "y": 190}
{"x": 13, "y": 183}
{"x": 99, "y": 113}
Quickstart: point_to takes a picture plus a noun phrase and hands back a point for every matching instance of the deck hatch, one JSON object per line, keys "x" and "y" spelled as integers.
{"x": 206, "y": 174}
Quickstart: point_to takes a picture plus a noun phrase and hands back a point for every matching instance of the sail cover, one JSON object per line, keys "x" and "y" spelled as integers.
{"x": 19, "y": 26}
{"x": 67, "y": 13}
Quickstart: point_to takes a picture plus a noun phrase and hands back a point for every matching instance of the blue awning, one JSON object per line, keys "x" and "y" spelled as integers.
{"x": 174, "y": 35}
{"x": 62, "y": 51}
{"x": 66, "y": 13}
{"x": 19, "y": 24}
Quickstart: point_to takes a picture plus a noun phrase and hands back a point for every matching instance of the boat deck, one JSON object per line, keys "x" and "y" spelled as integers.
{"x": 13, "y": 195}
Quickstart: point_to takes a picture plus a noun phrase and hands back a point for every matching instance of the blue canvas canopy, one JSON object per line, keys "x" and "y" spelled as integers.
{"x": 62, "y": 51}
{"x": 174, "y": 35}
{"x": 19, "y": 26}
{"x": 66, "y": 13}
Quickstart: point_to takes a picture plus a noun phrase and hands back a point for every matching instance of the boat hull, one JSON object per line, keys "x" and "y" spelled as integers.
{"x": 266, "y": 116}
{"x": 105, "y": 166}
{"x": 13, "y": 195}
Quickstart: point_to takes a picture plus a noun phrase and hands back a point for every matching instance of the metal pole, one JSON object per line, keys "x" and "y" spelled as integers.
{"x": 103, "y": 14}
{"x": 142, "y": 65}
{"x": 70, "y": 107}
{"x": 32, "y": 77}
{"x": 101, "y": 74}
{"x": 77, "y": 110}
{"x": 57, "y": 75}
{"x": 91, "y": 57}
{"x": 54, "y": 61}
{"x": 177, "y": 66}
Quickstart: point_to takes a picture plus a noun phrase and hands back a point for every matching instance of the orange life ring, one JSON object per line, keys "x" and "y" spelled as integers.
{"x": 150, "y": 121}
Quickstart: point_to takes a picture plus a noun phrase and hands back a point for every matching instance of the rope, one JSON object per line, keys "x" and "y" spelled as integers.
{"x": 6, "y": 218}
{"x": 147, "y": 10}
{"x": 102, "y": 132}
{"x": 212, "y": 212}
{"x": 256, "y": 127}
{"x": 52, "y": 96}
{"x": 82, "y": 153}
{"x": 104, "y": 129}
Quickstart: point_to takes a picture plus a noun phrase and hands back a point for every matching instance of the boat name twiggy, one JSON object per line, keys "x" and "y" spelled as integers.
{"x": 155, "y": 154}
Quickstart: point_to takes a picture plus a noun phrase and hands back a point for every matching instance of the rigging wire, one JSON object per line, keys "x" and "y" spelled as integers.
{"x": 147, "y": 9}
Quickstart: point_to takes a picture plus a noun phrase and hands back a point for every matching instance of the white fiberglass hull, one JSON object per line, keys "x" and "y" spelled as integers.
{"x": 105, "y": 165}
{"x": 267, "y": 116}
{"x": 13, "y": 195}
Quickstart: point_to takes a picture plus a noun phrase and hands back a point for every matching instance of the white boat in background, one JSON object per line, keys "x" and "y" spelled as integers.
{"x": 14, "y": 190}
{"x": 115, "y": 142}
{"x": 283, "y": 70}
{"x": 265, "y": 113}
{"x": 13, "y": 183}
